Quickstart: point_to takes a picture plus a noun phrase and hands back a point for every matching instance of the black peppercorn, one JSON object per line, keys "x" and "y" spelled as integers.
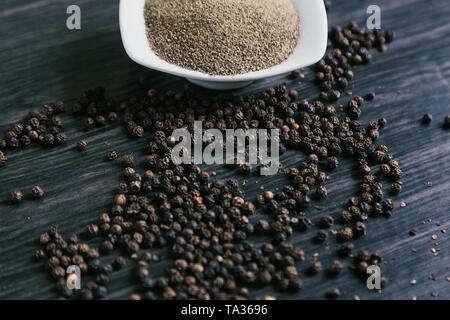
{"x": 116, "y": 229}
{"x": 106, "y": 246}
{"x": 3, "y": 145}
{"x": 388, "y": 204}
{"x": 413, "y": 231}
{"x": 92, "y": 230}
{"x": 112, "y": 116}
{"x": 13, "y": 143}
{"x": 3, "y": 160}
{"x": 333, "y": 294}
{"x": 137, "y": 132}
{"x": 89, "y": 123}
{"x": 304, "y": 223}
{"x": 376, "y": 258}
{"x": 315, "y": 266}
{"x": 326, "y": 221}
{"x": 363, "y": 255}
{"x": 321, "y": 192}
{"x": 360, "y": 228}
{"x": 100, "y": 292}
{"x": 59, "y": 107}
{"x": 369, "y": 96}
{"x": 58, "y": 272}
{"x": 33, "y": 135}
{"x": 37, "y": 192}
{"x": 44, "y": 238}
{"x": 16, "y": 196}
{"x": 24, "y": 141}
{"x": 112, "y": 155}
{"x": 426, "y": 119}
{"x": 265, "y": 277}
{"x": 120, "y": 262}
{"x": 86, "y": 294}
{"x": 10, "y": 135}
{"x": 57, "y": 121}
{"x": 447, "y": 122}
{"x": 47, "y": 110}
{"x": 396, "y": 188}
{"x": 322, "y": 235}
{"x": 82, "y": 145}
{"x": 346, "y": 234}
{"x": 60, "y": 138}
{"x": 268, "y": 195}
{"x": 100, "y": 120}
{"x": 335, "y": 268}
{"x": 346, "y": 249}
{"x": 295, "y": 284}
{"x": 128, "y": 160}
{"x": 382, "y": 122}
{"x": 39, "y": 254}
{"x": 332, "y": 162}
{"x": 49, "y": 140}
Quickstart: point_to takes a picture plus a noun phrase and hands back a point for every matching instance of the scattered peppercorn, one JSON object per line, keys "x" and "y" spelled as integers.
{"x": 16, "y": 196}
{"x": 396, "y": 188}
{"x": 128, "y": 160}
{"x": 37, "y": 192}
{"x": 333, "y": 294}
{"x": 322, "y": 235}
{"x": 346, "y": 234}
{"x": 82, "y": 145}
{"x": 3, "y": 160}
{"x": 346, "y": 249}
{"x": 112, "y": 155}
{"x": 447, "y": 122}
{"x": 205, "y": 223}
{"x": 369, "y": 96}
{"x": 382, "y": 122}
{"x": 427, "y": 118}
{"x": 326, "y": 221}
{"x": 321, "y": 192}
{"x": 315, "y": 266}
{"x": 335, "y": 268}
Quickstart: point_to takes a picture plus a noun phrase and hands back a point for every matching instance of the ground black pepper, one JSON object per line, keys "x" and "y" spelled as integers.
{"x": 260, "y": 47}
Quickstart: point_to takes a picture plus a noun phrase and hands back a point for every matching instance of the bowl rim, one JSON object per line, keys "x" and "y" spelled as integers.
{"x": 313, "y": 32}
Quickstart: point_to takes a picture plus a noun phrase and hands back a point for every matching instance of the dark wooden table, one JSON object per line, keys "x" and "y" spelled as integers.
{"x": 42, "y": 62}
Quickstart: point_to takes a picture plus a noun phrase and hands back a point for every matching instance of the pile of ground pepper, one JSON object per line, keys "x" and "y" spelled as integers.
{"x": 223, "y": 37}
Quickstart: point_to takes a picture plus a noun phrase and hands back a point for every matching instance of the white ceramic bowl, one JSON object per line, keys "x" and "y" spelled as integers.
{"x": 310, "y": 48}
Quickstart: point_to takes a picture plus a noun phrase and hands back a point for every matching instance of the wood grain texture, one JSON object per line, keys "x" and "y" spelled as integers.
{"x": 42, "y": 62}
